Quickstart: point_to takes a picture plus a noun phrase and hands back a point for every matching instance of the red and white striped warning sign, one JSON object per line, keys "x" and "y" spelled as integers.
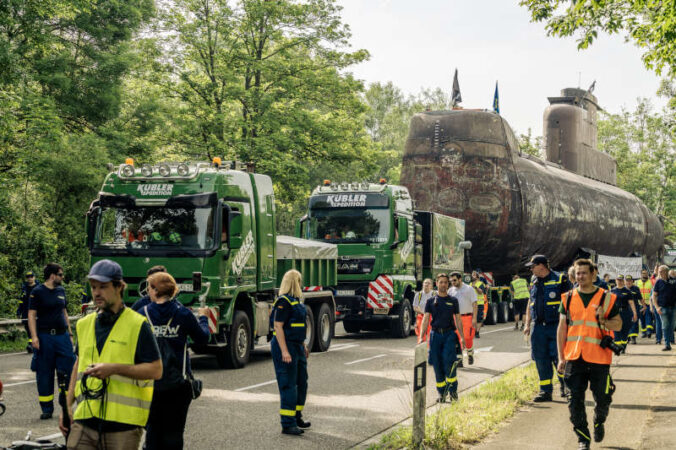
{"x": 381, "y": 293}
{"x": 313, "y": 288}
{"x": 488, "y": 276}
{"x": 212, "y": 318}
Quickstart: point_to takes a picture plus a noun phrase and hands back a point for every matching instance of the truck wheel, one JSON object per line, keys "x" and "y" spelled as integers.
{"x": 309, "y": 328}
{"x": 510, "y": 314}
{"x": 235, "y": 355}
{"x": 323, "y": 329}
{"x": 351, "y": 327}
{"x": 401, "y": 326}
{"x": 501, "y": 310}
{"x": 490, "y": 314}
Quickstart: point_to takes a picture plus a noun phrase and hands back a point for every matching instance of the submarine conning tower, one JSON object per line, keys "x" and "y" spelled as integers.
{"x": 570, "y": 134}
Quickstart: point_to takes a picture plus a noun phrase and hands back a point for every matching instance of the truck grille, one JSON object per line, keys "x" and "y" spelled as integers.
{"x": 351, "y": 265}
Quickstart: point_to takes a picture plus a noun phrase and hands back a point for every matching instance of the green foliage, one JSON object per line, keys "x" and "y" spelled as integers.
{"x": 650, "y": 24}
{"x": 644, "y": 144}
{"x": 531, "y": 145}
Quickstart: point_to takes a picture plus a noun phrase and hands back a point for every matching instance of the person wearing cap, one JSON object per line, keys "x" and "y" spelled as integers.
{"x": 51, "y": 335}
{"x": 645, "y": 285}
{"x": 543, "y": 312}
{"x": 625, "y": 299}
{"x": 112, "y": 378}
{"x": 481, "y": 300}
{"x": 519, "y": 290}
{"x": 637, "y": 297}
{"x": 22, "y": 309}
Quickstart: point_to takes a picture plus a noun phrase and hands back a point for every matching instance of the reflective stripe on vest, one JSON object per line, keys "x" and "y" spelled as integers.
{"x": 520, "y": 287}
{"x": 584, "y": 333}
{"x": 127, "y": 400}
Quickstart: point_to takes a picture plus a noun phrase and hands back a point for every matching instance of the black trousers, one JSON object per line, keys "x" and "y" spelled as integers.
{"x": 166, "y": 422}
{"x": 579, "y": 375}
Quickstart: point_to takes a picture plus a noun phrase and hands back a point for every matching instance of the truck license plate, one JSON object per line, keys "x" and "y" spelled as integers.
{"x": 344, "y": 293}
{"x": 380, "y": 310}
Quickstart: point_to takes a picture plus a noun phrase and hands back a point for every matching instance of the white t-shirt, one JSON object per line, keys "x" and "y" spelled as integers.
{"x": 420, "y": 299}
{"x": 466, "y": 296}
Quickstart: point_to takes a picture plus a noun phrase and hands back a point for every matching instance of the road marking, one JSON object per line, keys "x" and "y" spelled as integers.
{"x": 365, "y": 359}
{"x": 495, "y": 331}
{"x": 50, "y": 437}
{"x": 21, "y": 382}
{"x": 14, "y": 354}
{"x": 341, "y": 347}
{"x": 255, "y": 386}
{"x": 483, "y": 349}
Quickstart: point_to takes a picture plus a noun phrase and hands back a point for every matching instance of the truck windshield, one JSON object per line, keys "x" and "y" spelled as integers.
{"x": 350, "y": 225}
{"x": 155, "y": 230}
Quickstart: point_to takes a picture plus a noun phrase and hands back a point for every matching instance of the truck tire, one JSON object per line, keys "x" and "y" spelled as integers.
{"x": 351, "y": 327}
{"x": 492, "y": 313}
{"x": 324, "y": 328}
{"x": 235, "y": 355}
{"x": 503, "y": 309}
{"x": 401, "y": 326}
{"x": 309, "y": 328}
{"x": 510, "y": 315}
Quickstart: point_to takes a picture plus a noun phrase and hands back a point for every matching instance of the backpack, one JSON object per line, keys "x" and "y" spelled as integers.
{"x": 173, "y": 369}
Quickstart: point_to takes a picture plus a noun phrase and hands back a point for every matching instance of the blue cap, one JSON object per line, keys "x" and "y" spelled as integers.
{"x": 537, "y": 259}
{"x": 105, "y": 271}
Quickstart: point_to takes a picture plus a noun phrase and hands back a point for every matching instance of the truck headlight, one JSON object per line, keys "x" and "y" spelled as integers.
{"x": 183, "y": 169}
{"x": 128, "y": 170}
{"x": 147, "y": 170}
{"x": 164, "y": 170}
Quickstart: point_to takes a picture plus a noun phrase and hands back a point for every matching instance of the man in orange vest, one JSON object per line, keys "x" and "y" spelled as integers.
{"x": 587, "y": 315}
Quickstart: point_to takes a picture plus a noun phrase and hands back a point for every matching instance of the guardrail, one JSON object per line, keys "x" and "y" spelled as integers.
{"x": 5, "y": 325}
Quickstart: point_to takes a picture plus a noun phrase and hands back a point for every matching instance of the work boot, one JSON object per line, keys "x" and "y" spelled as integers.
{"x": 295, "y": 431}
{"x": 565, "y": 392}
{"x": 644, "y": 334}
{"x": 470, "y": 358}
{"x": 453, "y": 396}
{"x": 666, "y": 348}
{"x": 45, "y": 416}
{"x": 633, "y": 340}
{"x": 599, "y": 432}
{"x": 583, "y": 445}
{"x": 543, "y": 397}
{"x": 300, "y": 422}
{"x": 441, "y": 399}
{"x": 516, "y": 326}
{"x": 477, "y": 335}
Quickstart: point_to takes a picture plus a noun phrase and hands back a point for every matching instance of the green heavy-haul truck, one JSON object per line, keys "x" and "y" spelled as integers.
{"x": 385, "y": 250}
{"x": 213, "y": 228}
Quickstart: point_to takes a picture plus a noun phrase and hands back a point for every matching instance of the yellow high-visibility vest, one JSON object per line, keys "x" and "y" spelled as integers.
{"x": 126, "y": 400}
{"x": 520, "y": 287}
{"x": 480, "y": 296}
{"x": 646, "y": 287}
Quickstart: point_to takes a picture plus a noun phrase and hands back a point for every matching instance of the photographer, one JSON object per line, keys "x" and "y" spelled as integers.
{"x": 585, "y": 348}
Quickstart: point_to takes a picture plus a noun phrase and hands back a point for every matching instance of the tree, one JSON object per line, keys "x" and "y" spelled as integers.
{"x": 530, "y": 145}
{"x": 650, "y": 24}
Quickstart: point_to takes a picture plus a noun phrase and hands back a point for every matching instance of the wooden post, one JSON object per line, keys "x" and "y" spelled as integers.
{"x": 419, "y": 393}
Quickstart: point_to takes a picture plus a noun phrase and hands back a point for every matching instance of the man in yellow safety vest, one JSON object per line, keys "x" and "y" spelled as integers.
{"x": 646, "y": 316}
{"x": 481, "y": 303}
{"x": 520, "y": 295}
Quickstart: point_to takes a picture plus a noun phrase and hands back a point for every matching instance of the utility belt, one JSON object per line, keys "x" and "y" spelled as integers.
{"x": 52, "y": 331}
{"x": 442, "y": 330}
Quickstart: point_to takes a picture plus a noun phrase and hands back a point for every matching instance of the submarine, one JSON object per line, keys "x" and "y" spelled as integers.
{"x": 468, "y": 164}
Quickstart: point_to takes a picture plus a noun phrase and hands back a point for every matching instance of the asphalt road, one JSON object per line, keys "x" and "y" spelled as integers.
{"x": 357, "y": 389}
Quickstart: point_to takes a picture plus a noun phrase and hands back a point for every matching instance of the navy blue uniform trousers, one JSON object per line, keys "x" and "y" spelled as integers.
{"x": 622, "y": 336}
{"x": 545, "y": 354}
{"x": 444, "y": 361}
{"x": 56, "y": 353}
{"x": 291, "y": 380}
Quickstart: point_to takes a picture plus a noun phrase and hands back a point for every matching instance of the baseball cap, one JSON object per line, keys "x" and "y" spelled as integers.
{"x": 105, "y": 271}
{"x": 30, "y": 273}
{"x": 537, "y": 259}
{"x": 619, "y": 277}
{"x": 629, "y": 277}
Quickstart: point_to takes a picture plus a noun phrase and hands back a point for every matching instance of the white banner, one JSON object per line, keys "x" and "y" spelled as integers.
{"x": 617, "y": 265}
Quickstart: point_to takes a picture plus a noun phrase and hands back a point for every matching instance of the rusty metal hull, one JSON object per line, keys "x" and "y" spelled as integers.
{"x": 467, "y": 164}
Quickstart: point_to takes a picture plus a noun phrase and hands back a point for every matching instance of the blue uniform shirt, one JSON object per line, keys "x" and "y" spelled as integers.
{"x": 49, "y": 305}
{"x": 623, "y": 297}
{"x": 442, "y": 310}
{"x": 291, "y": 312}
{"x": 26, "y": 289}
{"x": 140, "y": 303}
{"x": 545, "y": 297}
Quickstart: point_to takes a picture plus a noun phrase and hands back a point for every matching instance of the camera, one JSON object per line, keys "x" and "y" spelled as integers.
{"x": 607, "y": 342}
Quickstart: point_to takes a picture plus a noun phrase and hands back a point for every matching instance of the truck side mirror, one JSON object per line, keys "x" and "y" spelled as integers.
{"x": 92, "y": 219}
{"x": 235, "y": 229}
{"x": 464, "y": 245}
{"x": 300, "y": 230}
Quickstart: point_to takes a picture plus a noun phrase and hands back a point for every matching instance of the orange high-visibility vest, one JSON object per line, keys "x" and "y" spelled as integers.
{"x": 584, "y": 334}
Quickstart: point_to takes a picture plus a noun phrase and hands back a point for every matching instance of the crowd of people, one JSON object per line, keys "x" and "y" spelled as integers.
{"x": 130, "y": 369}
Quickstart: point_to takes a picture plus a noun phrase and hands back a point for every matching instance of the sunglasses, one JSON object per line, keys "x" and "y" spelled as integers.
{"x": 59, "y": 274}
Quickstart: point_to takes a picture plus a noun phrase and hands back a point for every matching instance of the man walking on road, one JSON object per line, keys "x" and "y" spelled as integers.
{"x": 481, "y": 301}
{"x": 445, "y": 317}
{"x": 586, "y": 314}
{"x": 543, "y": 311}
{"x": 468, "y": 313}
{"x": 664, "y": 299}
{"x": 519, "y": 290}
{"x": 636, "y": 296}
{"x": 625, "y": 300}
{"x": 645, "y": 285}
{"x": 22, "y": 310}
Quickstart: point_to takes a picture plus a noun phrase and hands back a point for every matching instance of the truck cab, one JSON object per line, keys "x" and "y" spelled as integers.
{"x": 379, "y": 267}
{"x": 213, "y": 227}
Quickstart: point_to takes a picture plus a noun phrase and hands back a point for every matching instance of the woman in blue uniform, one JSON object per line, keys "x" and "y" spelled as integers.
{"x": 289, "y": 353}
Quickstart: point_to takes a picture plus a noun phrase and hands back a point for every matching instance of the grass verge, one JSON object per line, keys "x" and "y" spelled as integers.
{"x": 13, "y": 341}
{"x": 474, "y": 415}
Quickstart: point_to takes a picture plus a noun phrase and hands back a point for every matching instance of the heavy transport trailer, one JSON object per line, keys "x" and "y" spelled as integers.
{"x": 213, "y": 228}
{"x": 385, "y": 250}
